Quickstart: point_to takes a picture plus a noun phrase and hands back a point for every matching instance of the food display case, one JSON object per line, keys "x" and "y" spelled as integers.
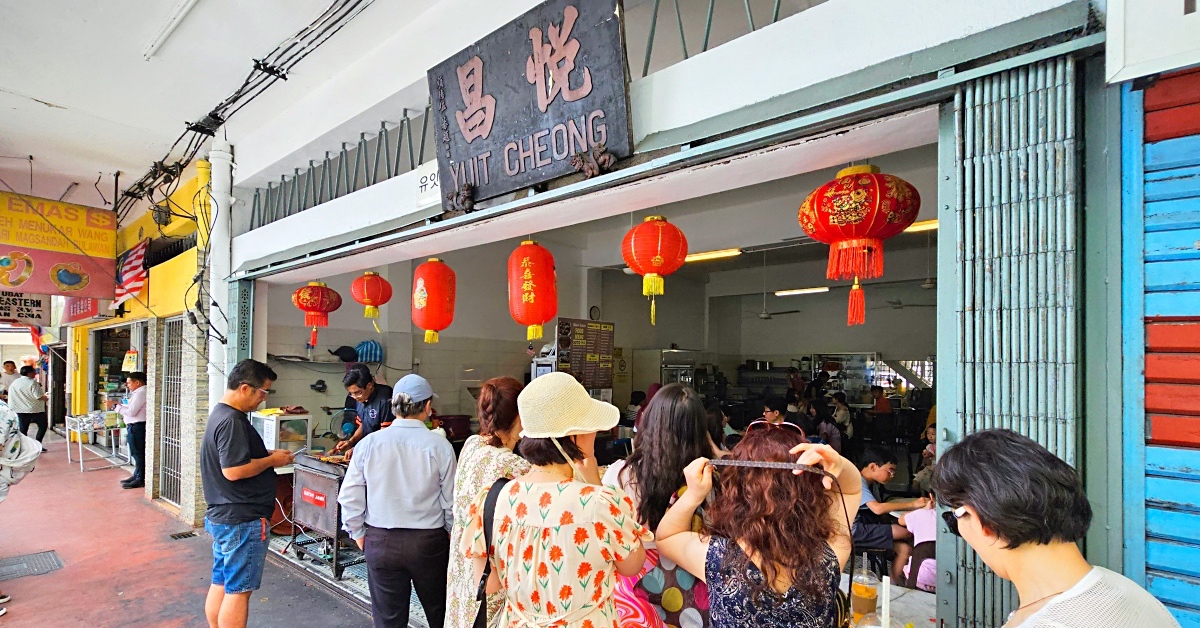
{"x": 292, "y": 432}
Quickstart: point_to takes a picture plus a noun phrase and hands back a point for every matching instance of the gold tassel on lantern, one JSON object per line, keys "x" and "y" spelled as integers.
{"x": 431, "y": 336}
{"x": 371, "y": 312}
{"x": 652, "y": 285}
{"x": 857, "y": 313}
{"x": 534, "y": 332}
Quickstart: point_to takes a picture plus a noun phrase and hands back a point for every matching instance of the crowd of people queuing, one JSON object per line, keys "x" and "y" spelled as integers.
{"x": 523, "y": 530}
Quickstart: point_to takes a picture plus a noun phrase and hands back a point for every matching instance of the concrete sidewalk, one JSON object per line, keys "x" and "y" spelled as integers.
{"x": 121, "y": 568}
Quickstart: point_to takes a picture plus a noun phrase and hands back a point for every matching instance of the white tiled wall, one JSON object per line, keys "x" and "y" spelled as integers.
{"x": 445, "y": 365}
{"x": 295, "y": 379}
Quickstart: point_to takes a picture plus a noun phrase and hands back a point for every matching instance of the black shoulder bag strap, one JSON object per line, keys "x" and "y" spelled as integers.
{"x": 489, "y": 517}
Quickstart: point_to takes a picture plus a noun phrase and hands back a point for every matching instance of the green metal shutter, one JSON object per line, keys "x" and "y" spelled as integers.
{"x": 1010, "y": 198}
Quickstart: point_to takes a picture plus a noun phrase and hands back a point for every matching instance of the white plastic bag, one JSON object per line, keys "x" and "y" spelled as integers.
{"x": 19, "y": 454}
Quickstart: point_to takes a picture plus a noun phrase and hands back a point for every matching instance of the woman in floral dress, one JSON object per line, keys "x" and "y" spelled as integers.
{"x": 483, "y": 459}
{"x": 558, "y": 542}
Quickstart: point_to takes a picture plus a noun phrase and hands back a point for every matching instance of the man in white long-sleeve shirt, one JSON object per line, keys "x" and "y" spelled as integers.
{"x": 134, "y": 411}
{"x": 397, "y": 503}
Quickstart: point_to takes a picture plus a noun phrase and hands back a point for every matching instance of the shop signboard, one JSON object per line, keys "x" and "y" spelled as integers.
{"x": 83, "y": 309}
{"x": 1144, "y": 38}
{"x": 24, "y": 309}
{"x": 49, "y": 247}
{"x": 532, "y": 101}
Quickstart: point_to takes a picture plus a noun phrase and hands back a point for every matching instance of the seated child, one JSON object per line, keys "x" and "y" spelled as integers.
{"x": 875, "y": 528}
{"x": 922, "y": 524}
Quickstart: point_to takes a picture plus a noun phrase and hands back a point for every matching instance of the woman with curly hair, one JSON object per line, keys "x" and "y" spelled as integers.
{"x": 776, "y": 541}
{"x": 675, "y": 431}
{"x": 484, "y": 458}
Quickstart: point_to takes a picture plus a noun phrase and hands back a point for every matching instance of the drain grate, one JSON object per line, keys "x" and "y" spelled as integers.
{"x": 29, "y": 565}
{"x": 183, "y": 535}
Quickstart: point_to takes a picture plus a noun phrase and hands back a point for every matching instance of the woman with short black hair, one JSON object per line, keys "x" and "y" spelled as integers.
{"x": 1023, "y": 510}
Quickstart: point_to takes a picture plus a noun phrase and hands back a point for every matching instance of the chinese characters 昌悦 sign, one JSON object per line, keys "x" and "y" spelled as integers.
{"x": 513, "y": 109}
{"x": 49, "y": 247}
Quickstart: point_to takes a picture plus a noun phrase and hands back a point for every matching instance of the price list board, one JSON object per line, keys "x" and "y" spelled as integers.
{"x": 585, "y": 350}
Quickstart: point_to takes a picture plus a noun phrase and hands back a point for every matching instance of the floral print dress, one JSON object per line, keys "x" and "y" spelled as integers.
{"x": 555, "y": 546}
{"x": 479, "y": 465}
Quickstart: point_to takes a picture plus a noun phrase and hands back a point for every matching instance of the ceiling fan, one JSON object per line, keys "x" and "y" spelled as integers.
{"x": 900, "y": 305}
{"x": 764, "y": 314}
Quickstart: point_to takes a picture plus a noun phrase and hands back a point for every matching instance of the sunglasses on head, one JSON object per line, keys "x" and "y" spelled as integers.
{"x": 765, "y": 425}
{"x": 951, "y": 518}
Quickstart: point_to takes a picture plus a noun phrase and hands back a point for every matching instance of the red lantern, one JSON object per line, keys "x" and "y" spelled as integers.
{"x": 654, "y": 249}
{"x": 854, "y": 214}
{"x": 532, "y": 287}
{"x": 433, "y": 297}
{"x": 372, "y": 291}
{"x": 317, "y": 301}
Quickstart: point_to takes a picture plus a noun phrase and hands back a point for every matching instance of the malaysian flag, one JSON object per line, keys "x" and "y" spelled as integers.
{"x": 131, "y": 273}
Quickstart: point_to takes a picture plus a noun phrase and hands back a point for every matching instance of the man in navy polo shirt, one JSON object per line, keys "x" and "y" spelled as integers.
{"x": 373, "y": 402}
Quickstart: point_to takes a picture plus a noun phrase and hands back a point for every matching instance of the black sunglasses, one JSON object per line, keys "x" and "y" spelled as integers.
{"x": 951, "y": 518}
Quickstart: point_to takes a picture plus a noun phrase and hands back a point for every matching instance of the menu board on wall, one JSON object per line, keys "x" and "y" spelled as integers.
{"x": 585, "y": 350}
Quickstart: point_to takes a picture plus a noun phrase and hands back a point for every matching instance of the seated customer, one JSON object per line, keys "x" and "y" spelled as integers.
{"x": 921, "y": 570}
{"x": 774, "y": 410}
{"x": 883, "y": 405}
{"x": 1023, "y": 510}
{"x": 875, "y": 528}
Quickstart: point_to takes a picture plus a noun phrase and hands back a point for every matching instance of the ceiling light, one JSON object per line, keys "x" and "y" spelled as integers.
{"x": 711, "y": 255}
{"x": 792, "y": 293}
{"x": 180, "y": 12}
{"x": 924, "y": 225}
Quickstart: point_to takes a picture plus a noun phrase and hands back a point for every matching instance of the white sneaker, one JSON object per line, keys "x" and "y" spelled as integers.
{"x": 3, "y": 611}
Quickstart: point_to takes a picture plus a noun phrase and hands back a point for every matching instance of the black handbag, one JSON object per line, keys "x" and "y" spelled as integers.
{"x": 489, "y": 516}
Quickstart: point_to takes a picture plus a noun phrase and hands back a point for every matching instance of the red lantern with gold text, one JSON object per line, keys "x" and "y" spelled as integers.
{"x": 372, "y": 291}
{"x": 316, "y": 300}
{"x": 854, "y": 214}
{"x": 654, "y": 249}
{"x": 433, "y": 297}
{"x": 532, "y": 287}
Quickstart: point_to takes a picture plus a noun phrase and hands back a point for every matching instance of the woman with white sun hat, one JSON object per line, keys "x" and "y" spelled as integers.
{"x": 557, "y": 538}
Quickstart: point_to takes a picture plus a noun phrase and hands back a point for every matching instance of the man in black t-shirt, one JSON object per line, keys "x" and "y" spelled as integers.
{"x": 373, "y": 403}
{"x": 238, "y": 473}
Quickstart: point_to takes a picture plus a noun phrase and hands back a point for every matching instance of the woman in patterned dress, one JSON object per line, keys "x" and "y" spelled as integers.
{"x": 776, "y": 541}
{"x": 483, "y": 459}
{"x": 558, "y": 542}
{"x": 674, "y": 432}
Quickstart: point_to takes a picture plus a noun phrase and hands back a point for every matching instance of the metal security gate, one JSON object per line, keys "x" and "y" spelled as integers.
{"x": 1011, "y": 192}
{"x": 168, "y": 410}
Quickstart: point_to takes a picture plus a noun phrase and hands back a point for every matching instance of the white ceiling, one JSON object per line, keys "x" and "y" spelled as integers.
{"x": 76, "y": 93}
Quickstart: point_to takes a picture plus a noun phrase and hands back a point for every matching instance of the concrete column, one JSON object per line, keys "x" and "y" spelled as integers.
{"x": 219, "y": 262}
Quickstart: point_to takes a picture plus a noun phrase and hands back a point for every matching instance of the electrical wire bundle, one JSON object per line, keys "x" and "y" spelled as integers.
{"x": 267, "y": 70}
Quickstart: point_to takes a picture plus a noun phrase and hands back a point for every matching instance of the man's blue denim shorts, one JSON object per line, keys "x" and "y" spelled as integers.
{"x": 239, "y": 552}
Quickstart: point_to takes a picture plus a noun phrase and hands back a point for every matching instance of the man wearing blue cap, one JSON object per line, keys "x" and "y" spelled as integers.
{"x": 397, "y": 503}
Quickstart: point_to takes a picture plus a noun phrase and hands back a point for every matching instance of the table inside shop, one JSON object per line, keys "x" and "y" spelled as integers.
{"x": 908, "y": 605}
{"x": 91, "y": 425}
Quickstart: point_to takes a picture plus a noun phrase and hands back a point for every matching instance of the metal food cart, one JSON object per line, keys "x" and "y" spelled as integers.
{"x": 316, "y": 512}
